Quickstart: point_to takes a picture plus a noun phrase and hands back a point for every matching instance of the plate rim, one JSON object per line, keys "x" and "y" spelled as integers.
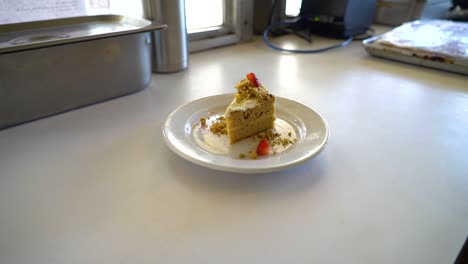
{"x": 243, "y": 170}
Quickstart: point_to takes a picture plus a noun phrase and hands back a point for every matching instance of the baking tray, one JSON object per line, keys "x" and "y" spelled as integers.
{"x": 443, "y": 49}
{"x": 435, "y": 62}
{"x": 49, "y": 67}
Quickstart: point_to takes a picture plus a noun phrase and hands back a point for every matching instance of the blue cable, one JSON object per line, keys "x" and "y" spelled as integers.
{"x": 272, "y": 46}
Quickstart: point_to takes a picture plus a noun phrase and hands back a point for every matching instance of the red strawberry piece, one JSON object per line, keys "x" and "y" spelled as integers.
{"x": 263, "y": 147}
{"x": 253, "y": 79}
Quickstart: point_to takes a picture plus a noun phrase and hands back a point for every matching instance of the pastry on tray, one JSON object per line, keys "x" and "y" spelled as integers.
{"x": 440, "y": 44}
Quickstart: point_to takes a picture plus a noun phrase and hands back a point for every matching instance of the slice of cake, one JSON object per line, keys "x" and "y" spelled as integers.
{"x": 252, "y": 111}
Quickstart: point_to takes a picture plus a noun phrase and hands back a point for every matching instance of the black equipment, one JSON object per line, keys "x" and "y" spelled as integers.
{"x": 337, "y": 18}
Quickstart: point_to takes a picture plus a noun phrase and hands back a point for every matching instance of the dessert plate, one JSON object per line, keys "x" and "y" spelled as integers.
{"x": 186, "y": 136}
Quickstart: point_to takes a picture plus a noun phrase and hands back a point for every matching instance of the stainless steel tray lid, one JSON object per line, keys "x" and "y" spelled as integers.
{"x": 40, "y": 34}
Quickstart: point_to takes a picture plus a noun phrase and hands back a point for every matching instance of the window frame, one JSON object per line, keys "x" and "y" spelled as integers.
{"x": 237, "y": 27}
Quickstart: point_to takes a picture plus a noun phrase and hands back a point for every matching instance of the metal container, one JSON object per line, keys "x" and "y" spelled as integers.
{"x": 170, "y": 46}
{"x": 48, "y": 67}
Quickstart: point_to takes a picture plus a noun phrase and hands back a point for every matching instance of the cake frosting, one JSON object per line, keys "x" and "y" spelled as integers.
{"x": 240, "y": 106}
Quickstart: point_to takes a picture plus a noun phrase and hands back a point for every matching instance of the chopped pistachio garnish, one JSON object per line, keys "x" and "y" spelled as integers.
{"x": 253, "y": 154}
{"x": 203, "y": 121}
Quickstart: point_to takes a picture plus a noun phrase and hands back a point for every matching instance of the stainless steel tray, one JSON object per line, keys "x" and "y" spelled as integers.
{"x": 49, "y": 67}
{"x": 41, "y": 34}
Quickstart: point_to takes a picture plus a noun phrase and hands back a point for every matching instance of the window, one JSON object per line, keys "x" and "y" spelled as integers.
{"x": 197, "y": 18}
{"x": 213, "y": 23}
{"x": 293, "y": 7}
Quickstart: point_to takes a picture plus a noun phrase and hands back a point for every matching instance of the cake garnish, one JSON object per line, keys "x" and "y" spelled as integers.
{"x": 263, "y": 147}
{"x": 248, "y": 90}
{"x": 253, "y": 154}
{"x": 253, "y": 79}
{"x": 203, "y": 121}
{"x": 219, "y": 126}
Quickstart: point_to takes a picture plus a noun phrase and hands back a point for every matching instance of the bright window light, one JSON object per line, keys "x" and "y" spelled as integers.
{"x": 293, "y": 7}
{"x": 203, "y": 14}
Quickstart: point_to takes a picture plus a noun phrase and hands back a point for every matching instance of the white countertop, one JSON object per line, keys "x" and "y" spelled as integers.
{"x": 98, "y": 184}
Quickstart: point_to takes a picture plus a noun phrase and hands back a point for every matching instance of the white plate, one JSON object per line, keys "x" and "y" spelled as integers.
{"x": 185, "y": 136}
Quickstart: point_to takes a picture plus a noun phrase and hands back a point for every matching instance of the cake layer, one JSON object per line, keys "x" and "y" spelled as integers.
{"x": 242, "y": 124}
